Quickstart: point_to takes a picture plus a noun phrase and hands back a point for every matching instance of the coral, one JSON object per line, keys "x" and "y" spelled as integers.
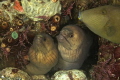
{"x": 20, "y": 23}
{"x": 17, "y": 6}
{"x": 21, "y": 20}
{"x": 33, "y": 8}
{"x": 108, "y": 66}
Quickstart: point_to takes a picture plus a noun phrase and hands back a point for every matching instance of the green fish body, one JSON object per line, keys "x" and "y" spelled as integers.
{"x": 103, "y": 21}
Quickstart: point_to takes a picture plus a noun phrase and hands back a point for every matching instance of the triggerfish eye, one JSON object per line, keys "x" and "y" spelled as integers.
{"x": 79, "y": 16}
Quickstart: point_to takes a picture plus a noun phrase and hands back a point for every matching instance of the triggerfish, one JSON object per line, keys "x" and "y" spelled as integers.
{"x": 103, "y": 21}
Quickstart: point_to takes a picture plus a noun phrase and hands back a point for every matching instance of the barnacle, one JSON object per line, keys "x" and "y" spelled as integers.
{"x": 4, "y": 6}
{"x": 53, "y": 28}
{"x": 19, "y": 22}
{"x": 56, "y": 18}
{"x": 4, "y": 25}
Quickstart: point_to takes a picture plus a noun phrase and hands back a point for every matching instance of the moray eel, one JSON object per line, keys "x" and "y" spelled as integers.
{"x": 73, "y": 45}
{"x": 103, "y": 21}
{"x": 43, "y": 55}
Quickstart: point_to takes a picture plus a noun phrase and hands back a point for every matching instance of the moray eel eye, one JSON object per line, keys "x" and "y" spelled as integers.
{"x": 44, "y": 39}
{"x": 79, "y": 16}
{"x": 104, "y": 12}
{"x": 71, "y": 35}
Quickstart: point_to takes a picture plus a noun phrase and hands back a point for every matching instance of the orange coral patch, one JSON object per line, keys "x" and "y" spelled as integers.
{"x": 17, "y": 6}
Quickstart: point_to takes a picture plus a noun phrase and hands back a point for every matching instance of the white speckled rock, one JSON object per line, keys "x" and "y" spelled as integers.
{"x": 69, "y": 75}
{"x": 36, "y": 8}
{"x": 33, "y": 9}
{"x": 11, "y": 73}
{"x": 39, "y": 77}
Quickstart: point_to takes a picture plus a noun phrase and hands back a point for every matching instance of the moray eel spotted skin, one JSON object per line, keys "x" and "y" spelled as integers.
{"x": 73, "y": 45}
{"x": 103, "y": 21}
{"x": 43, "y": 55}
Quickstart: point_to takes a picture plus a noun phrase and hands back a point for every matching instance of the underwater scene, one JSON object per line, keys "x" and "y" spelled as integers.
{"x": 59, "y": 40}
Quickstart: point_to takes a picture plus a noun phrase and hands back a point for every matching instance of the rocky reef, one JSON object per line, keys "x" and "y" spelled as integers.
{"x": 11, "y": 73}
{"x": 22, "y": 20}
{"x": 69, "y": 75}
{"x": 108, "y": 64}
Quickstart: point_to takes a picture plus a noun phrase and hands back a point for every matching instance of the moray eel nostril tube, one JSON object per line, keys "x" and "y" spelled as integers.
{"x": 73, "y": 45}
{"x": 43, "y": 55}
